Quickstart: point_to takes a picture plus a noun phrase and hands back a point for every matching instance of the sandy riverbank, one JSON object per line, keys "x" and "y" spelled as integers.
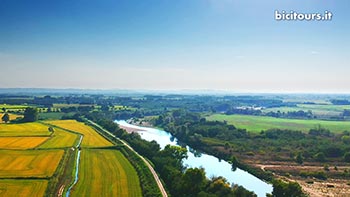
{"x": 130, "y": 129}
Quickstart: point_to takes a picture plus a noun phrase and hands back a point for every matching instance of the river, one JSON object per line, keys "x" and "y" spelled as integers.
{"x": 212, "y": 165}
{"x": 76, "y": 176}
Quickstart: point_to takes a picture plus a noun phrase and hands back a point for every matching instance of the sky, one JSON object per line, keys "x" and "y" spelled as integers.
{"x": 230, "y": 45}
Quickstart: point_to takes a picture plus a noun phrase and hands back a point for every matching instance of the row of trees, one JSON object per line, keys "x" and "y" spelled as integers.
{"x": 292, "y": 114}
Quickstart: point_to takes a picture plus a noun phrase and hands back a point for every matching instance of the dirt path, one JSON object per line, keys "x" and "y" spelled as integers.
{"x": 159, "y": 183}
{"x": 61, "y": 191}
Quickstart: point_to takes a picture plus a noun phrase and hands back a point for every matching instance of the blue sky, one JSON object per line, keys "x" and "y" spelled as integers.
{"x": 233, "y": 45}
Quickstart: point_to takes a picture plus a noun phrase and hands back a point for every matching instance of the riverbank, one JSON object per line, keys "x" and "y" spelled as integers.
{"x": 130, "y": 129}
{"x": 136, "y": 125}
{"x": 335, "y": 183}
{"x": 213, "y": 165}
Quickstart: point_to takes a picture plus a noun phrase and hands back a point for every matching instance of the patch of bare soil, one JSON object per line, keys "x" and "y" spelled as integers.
{"x": 329, "y": 187}
{"x": 289, "y": 171}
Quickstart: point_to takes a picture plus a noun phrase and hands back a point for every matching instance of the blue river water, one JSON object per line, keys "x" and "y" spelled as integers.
{"x": 212, "y": 165}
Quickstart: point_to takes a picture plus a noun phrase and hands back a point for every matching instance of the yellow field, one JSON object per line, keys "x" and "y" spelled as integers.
{"x": 24, "y": 129}
{"x": 91, "y": 137}
{"x": 29, "y": 163}
{"x": 60, "y": 139}
{"x": 12, "y": 117}
{"x": 22, "y": 187}
{"x": 21, "y": 142}
{"x": 106, "y": 173}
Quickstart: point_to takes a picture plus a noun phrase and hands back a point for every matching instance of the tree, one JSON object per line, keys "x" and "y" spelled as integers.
{"x": 105, "y": 107}
{"x": 281, "y": 189}
{"x": 193, "y": 181}
{"x": 51, "y": 129}
{"x": 234, "y": 162}
{"x": 347, "y": 157}
{"x": 5, "y": 117}
{"x": 320, "y": 157}
{"x": 30, "y": 114}
{"x": 299, "y": 158}
{"x": 345, "y": 139}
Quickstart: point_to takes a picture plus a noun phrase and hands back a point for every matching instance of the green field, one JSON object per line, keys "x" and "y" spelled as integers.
{"x": 91, "y": 137}
{"x": 12, "y": 107}
{"x": 317, "y": 110}
{"x": 9, "y": 187}
{"x": 24, "y": 129}
{"x": 258, "y": 123}
{"x": 106, "y": 173}
{"x": 21, "y": 142}
{"x": 29, "y": 163}
{"x": 64, "y": 105}
{"x": 60, "y": 139}
{"x": 121, "y": 107}
{"x": 51, "y": 115}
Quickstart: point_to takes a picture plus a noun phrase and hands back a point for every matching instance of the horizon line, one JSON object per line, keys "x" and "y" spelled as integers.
{"x": 206, "y": 91}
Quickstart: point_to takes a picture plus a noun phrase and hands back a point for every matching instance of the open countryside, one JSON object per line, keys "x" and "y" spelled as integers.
{"x": 91, "y": 138}
{"x": 259, "y": 123}
{"x": 21, "y": 187}
{"x": 175, "y": 98}
{"x": 60, "y": 139}
{"x": 321, "y": 111}
{"x": 11, "y": 117}
{"x": 38, "y": 155}
{"x": 29, "y": 163}
{"x": 106, "y": 178}
{"x": 25, "y": 129}
{"x": 21, "y": 142}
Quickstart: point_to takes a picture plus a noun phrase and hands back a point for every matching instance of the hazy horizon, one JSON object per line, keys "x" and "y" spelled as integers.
{"x": 159, "y": 91}
{"x": 225, "y": 45}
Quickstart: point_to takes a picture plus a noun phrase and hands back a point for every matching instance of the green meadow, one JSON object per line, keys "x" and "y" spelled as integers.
{"x": 258, "y": 123}
{"x": 317, "y": 110}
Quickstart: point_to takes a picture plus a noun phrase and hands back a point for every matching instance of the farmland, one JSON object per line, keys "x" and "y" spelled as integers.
{"x": 9, "y": 187}
{"x": 32, "y": 158}
{"x": 60, "y": 139}
{"x": 25, "y": 129}
{"x": 258, "y": 123}
{"x": 51, "y": 115}
{"x": 91, "y": 137}
{"x": 121, "y": 107}
{"x": 113, "y": 178}
{"x": 21, "y": 142}
{"x": 12, "y": 107}
{"x": 29, "y": 163}
{"x": 320, "y": 111}
{"x": 63, "y": 105}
